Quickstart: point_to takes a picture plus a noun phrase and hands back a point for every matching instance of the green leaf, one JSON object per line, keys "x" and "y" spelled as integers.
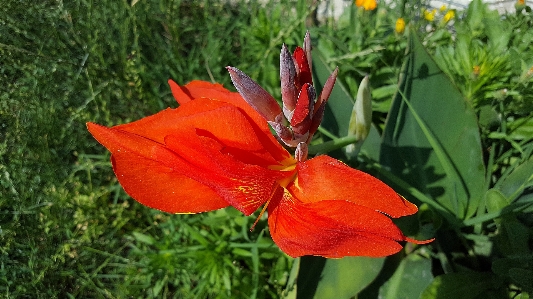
{"x": 409, "y": 280}
{"x": 290, "y": 291}
{"x": 431, "y": 137}
{"x": 495, "y": 200}
{"x": 521, "y": 129}
{"x": 143, "y": 238}
{"x": 336, "y": 278}
{"x": 517, "y": 181}
{"x": 468, "y": 285}
{"x": 518, "y": 268}
{"x": 522, "y": 277}
{"x": 512, "y": 238}
{"x": 340, "y": 104}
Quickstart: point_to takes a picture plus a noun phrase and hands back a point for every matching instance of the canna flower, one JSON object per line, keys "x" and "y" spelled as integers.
{"x": 366, "y": 4}
{"x": 400, "y": 26}
{"x": 216, "y": 150}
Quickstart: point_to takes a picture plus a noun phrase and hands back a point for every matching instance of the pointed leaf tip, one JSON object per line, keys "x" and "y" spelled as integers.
{"x": 307, "y": 49}
{"x": 288, "y": 87}
{"x": 255, "y": 95}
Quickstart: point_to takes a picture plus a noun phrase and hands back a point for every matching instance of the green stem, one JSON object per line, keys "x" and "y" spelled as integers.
{"x": 512, "y": 208}
{"x": 331, "y": 145}
{"x": 327, "y": 133}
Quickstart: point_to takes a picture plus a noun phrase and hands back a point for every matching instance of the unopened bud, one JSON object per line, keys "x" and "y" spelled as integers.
{"x": 361, "y": 119}
{"x": 362, "y": 111}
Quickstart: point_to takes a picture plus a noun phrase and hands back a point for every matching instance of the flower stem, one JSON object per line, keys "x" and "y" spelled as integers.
{"x": 331, "y": 145}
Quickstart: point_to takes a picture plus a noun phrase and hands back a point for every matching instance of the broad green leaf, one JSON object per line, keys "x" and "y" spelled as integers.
{"x": 372, "y": 143}
{"x": 495, "y": 201}
{"x": 517, "y": 181}
{"x": 518, "y": 268}
{"x": 336, "y": 278}
{"x": 340, "y": 104}
{"x": 512, "y": 238}
{"x": 409, "y": 280}
{"x": 504, "y": 265}
{"x": 468, "y": 285}
{"x": 431, "y": 138}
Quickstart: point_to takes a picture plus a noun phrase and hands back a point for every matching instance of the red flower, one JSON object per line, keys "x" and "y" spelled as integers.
{"x": 216, "y": 150}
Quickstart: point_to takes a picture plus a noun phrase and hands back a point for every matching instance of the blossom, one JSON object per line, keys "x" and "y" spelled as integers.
{"x": 400, "y": 26}
{"x": 366, "y": 4}
{"x": 430, "y": 15}
{"x": 216, "y": 150}
{"x": 450, "y": 14}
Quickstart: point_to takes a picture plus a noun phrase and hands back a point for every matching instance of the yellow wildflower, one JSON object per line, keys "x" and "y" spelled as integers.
{"x": 443, "y": 8}
{"x": 430, "y": 16}
{"x": 366, "y": 4}
{"x": 400, "y": 26}
{"x": 449, "y": 15}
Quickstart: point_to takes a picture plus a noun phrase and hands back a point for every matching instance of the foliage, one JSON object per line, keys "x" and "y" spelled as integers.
{"x": 67, "y": 228}
{"x": 437, "y": 149}
{"x": 454, "y": 135}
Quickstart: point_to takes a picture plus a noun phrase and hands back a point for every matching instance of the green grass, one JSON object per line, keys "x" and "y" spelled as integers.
{"x": 66, "y": 226}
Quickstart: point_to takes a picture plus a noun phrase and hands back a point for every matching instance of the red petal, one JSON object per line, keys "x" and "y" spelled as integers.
{"x": 150, "y": 174}
{"x": 208, "y": 141}
{"x": 179, "y": 93}
{"x": 209, "y": 115}
{"x": 301, "y": 119}
{"x": 302, "y": 67}
{"x": 202, "y": 89}
{"x": 323, "y": 178}
{"x": 235, "y": 164}
{"x": 330, "y": 228}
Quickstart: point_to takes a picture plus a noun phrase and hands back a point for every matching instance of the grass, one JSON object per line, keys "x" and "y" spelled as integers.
{"x": 67, "y": 229}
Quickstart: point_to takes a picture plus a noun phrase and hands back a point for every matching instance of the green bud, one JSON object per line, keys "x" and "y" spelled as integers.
{"x": 361, "y": 118}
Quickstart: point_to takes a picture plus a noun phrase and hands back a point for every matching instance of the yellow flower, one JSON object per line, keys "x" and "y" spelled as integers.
{"x": 443, "y": 8}
{"x": 400, "y": 26}
{"x": 476, "y": 70}
{"x": 450, "y": 15}
{"x": 366, "y": 4}
{"x": 521, "y": 2}
{"x": 430, "y": 16}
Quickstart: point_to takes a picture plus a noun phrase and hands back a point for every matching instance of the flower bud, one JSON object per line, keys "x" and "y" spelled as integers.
{"x": 361, "y": 118}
